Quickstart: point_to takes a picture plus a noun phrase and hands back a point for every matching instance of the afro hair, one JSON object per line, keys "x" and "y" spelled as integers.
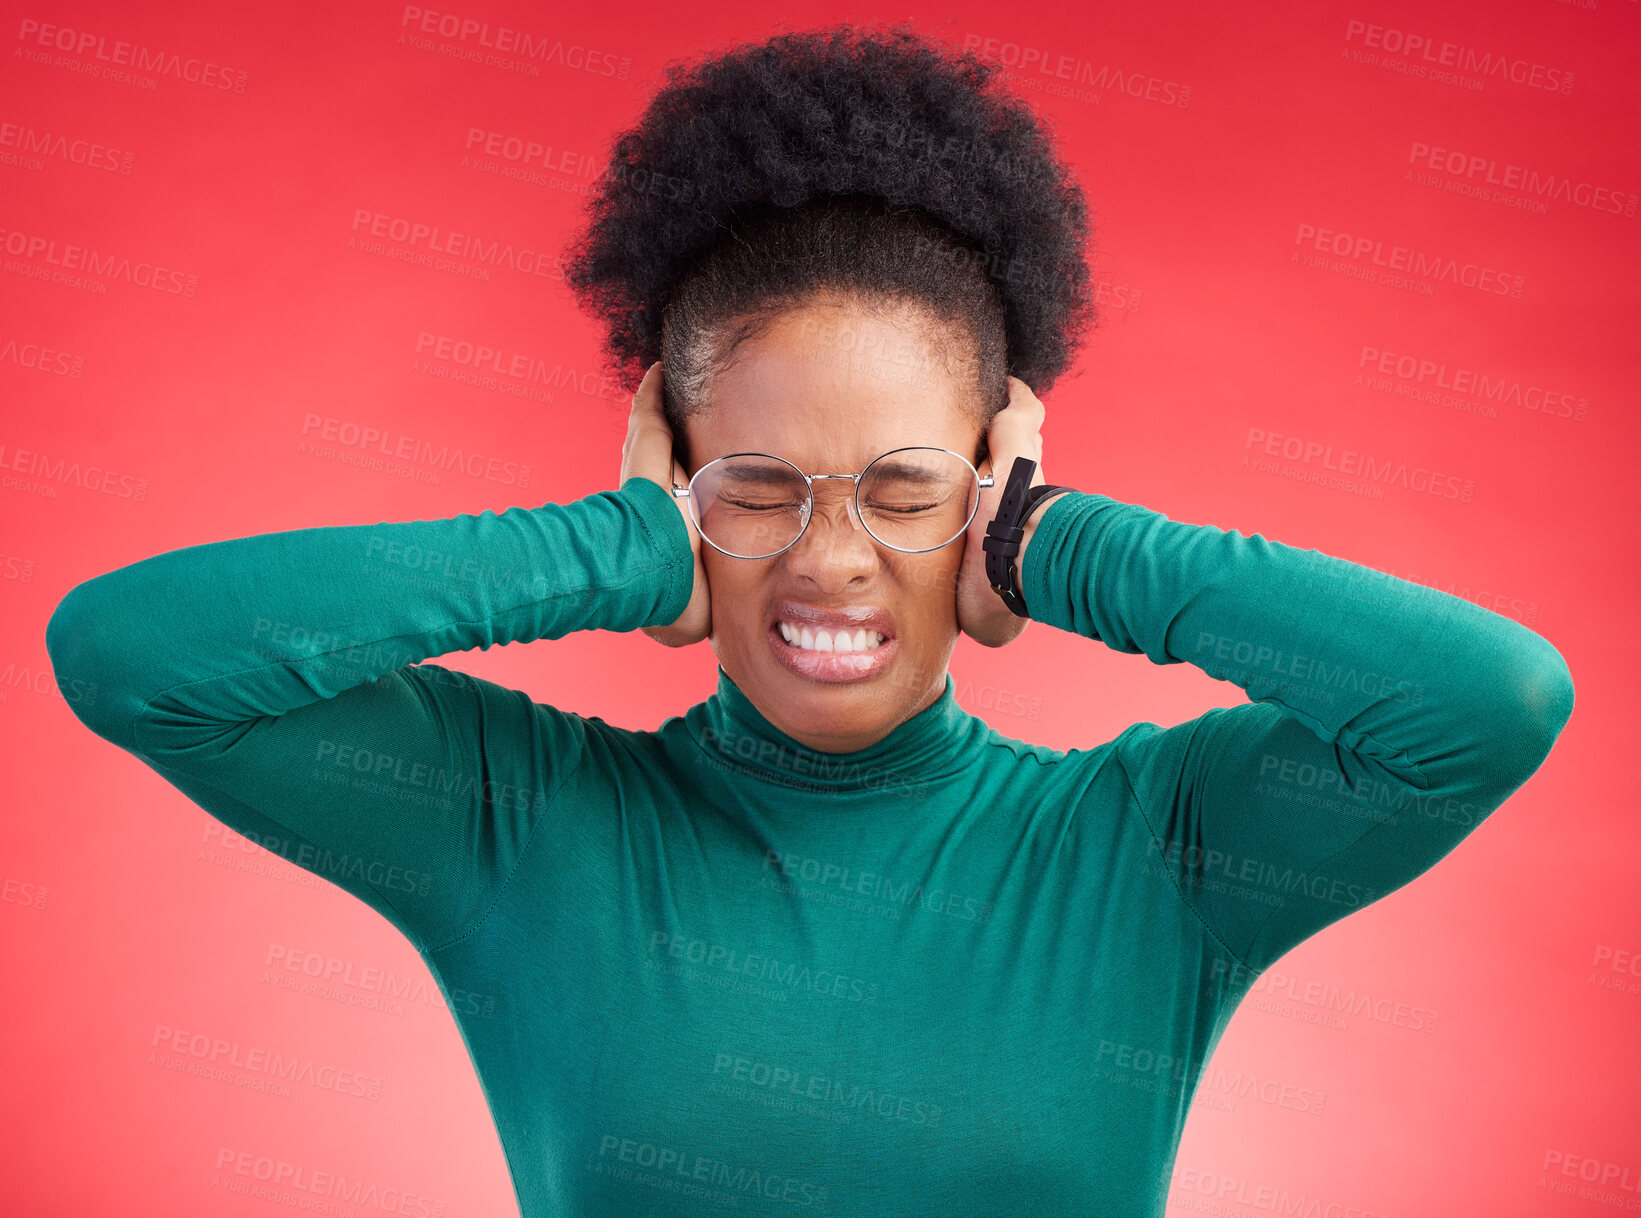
{"x": 878, "y": 162}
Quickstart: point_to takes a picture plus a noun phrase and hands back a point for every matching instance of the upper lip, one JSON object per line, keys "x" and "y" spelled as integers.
{"x": 840, "y": 617}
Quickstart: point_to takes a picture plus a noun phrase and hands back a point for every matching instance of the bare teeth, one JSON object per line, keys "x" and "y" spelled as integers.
{"x": 829, "y": 640}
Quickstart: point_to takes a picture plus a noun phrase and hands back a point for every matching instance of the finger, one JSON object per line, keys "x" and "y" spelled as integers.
{"x": 648, "y": 394}
{"x": 1017, "y": 431}
{"x": 1024, "y": 414}
{"x": 647, "y": 449}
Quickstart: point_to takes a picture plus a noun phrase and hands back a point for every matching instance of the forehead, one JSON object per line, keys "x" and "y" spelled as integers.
{"x": 833, "y": 384}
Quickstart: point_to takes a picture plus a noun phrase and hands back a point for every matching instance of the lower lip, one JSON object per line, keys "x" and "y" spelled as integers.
{"x": 832, "y": 665}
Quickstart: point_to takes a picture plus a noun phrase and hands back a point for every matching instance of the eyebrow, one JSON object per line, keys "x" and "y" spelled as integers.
{"x": 769, "y": 474}
{"x": 760, "y": 475}
{"x": 912, "y": 473}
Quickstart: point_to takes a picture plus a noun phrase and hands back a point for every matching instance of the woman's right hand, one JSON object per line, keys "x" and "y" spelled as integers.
{"x": 647, "y": 453}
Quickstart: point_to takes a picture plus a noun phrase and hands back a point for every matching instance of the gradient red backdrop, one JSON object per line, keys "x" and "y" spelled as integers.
{"x": 1405, "y": 229}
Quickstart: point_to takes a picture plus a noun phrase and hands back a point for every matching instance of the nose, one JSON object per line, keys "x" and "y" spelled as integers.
{"x": 829, "y": 554}
{"x": 826, "y": 490}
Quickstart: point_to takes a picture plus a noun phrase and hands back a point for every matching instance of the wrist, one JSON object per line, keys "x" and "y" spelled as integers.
{"x": 1030, "y": 530}
{"x": 666, "y": 536}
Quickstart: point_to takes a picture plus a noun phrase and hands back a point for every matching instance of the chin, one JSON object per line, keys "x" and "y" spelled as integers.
{"x": 832, "y": 713}
{"x": 814, "y": 695}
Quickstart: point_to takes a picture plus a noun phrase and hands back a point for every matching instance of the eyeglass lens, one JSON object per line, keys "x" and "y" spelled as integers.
{"x": 912, "y": 499}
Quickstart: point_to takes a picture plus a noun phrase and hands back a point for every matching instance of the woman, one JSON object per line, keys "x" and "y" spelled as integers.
{"x": 825, "y": 940}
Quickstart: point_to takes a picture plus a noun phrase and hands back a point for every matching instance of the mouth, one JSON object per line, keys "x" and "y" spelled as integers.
{"x": 845, "y": 643}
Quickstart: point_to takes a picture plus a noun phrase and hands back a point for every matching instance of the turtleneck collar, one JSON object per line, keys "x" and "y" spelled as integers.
{"x": 934, "y": 744}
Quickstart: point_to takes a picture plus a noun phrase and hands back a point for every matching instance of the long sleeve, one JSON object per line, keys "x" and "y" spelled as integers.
{"x": 1385, "y": 719}
{"x": 274, "y": 680}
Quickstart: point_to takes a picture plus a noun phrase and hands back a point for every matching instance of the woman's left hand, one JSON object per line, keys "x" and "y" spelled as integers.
{"x": 1016, "y": 431}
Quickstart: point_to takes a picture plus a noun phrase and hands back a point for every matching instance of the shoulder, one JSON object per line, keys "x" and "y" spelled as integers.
{"x": 510, "y": 722}
{"x": 1043, "y": 764}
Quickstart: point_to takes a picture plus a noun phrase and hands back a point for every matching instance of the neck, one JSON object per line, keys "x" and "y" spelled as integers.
{"x": 851, "y": 739}
{"x": 935, "y": 742}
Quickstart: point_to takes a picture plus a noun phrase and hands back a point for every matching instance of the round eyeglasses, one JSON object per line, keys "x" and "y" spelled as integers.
{"x": 753, "y": 505}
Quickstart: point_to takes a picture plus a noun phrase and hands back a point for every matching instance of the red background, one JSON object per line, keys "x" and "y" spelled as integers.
{"x": 125, "y": 909}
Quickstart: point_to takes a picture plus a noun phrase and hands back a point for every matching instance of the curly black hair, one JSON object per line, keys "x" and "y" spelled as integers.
{"x": 879, "y": 163}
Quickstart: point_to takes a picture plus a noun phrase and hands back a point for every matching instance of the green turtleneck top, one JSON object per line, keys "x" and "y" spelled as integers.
{"x": 951, "y": 973}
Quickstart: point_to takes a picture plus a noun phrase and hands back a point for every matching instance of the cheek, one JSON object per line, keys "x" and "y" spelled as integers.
{"x": 931, "y": 590}
{"x": 733, "y": 583}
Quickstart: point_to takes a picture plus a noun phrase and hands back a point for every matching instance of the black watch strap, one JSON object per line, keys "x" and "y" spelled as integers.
{"x": 1004, "y": 533}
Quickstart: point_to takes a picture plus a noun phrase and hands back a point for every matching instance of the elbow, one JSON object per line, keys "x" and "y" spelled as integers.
{"x": 63, "y": 631}
{"x": 67, "y": 632}
{"x": 1536, "y": 701}
{"x": 82, "y": 668}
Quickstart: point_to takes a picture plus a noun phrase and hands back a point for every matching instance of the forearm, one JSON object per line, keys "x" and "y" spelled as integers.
{"x": 1435, "y": 688}
{"x": 234, "y": 630}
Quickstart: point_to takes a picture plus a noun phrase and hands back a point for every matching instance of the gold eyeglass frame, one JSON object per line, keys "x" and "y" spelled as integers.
{"x": 981, "y": 481}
